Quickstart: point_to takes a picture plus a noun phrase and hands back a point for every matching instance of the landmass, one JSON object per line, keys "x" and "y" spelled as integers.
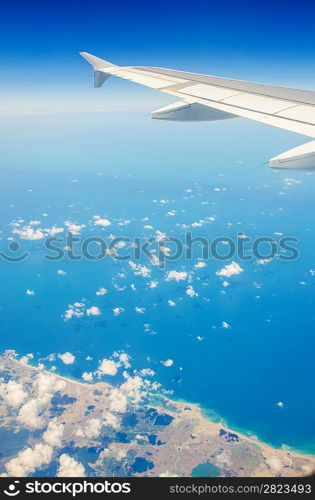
{"x": 59, "y": 426}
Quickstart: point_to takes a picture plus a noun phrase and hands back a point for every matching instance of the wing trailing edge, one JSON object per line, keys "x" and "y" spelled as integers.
{"x": 204, "y": 98}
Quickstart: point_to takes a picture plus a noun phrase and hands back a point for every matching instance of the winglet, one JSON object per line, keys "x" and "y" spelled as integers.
{"x": 99, "y": 66}
{"x": 97, "y": 62}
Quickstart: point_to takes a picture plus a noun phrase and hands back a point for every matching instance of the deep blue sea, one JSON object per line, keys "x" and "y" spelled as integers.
{"x": 204, "y": 178}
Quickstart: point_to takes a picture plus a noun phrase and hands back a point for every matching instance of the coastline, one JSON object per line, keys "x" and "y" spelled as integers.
{"x": 243, "y": 433}
{"x": 200, "y": 412}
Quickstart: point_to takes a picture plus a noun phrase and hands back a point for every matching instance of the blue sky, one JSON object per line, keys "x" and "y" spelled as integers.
{"x": 258, "y": 40}
{"x": 42, "y": 72}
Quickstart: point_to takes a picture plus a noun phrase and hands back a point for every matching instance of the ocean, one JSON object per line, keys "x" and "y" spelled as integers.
{"x": 241, "y": 345}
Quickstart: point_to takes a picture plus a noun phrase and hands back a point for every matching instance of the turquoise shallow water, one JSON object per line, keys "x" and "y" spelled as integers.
{"x": 241, "y": 372}
{"x": 205, "y": 470}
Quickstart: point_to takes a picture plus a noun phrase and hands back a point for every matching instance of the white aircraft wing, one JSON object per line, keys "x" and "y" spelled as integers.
{"x": 205, "y": 97}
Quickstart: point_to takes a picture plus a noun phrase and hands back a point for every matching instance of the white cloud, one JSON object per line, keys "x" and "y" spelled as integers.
{"x": 171, "y": 303}
{"x": 76, "y": 310}
{"x": 230, "y": 270}
{"x": 108, "y": 367}
{"x": 140, "y": 310}
{"x": 118, "y": 310}
{"x": 93, "y": 311}
{"x": 200, "y": 265}
{"x": 45, "y": 384}
{"x": 29, "y": 233}
{"x": 168, "y": 362}
{"x": 176, "y": 275}
{"x": 27, "y": 461}
{"x": 101, "y": 222}
{"x": 191, "y": 292}
{"x": 124, "y": 359}
{"x": 74, "y": 229}
{"x": 263, "y": 261}
{"x": 111, "y": 420}
{"x": 68, "y": 467}
{"x": 225, "y": 325}
{"x": 140, "y": 270}
{"x": 147, "y": 372}
{"x": 30, "y": 292}
{"x": 53, "y": 434}
{"x": 91, "y": 429}
{"x": 67, "y": 358}
{"x": 117, "y": 401}
{"x": 61, "y": 272}
{"x": 13, "y": 393}
{"x": 33, "y": 413}
{"x": 25, "y": 359}
{"x": 101, "y": 291}
{"x": 153, "y": 284}
{"x": 87, "y": 376}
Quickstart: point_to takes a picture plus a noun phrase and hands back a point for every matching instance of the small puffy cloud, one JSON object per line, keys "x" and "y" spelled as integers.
{"x": 171, "y": 303}
{"x": 29, "y": 233}
{"x": 280, "y": 404}
{"x": 30, "y": 292}
{"x": 61, "y": 272}
{"x": 124, "y": 359}
{"x": 263, "y": 261}
{"x": 225, "y": 325}
{"x": 13, "y": 393}
{"x": 74, "y": 229}
{"x": 91, "y": 429}
{"x": 31, "y": 414}
{"x": 101, "y": 222}
{"x": 45, "y": 384}
{"x": 25, "y": 359}
{"x": 147, "y": 372}
{"x": 118, "y": 310}
{"x": 93, "y": 311}
{"x": 87, "y": 376}
{"x": 74, "y": 311}
{"x": 108, "y": 367}
{"x": 153, "y": 284}
{"x": 140, "y": 270}
{"x": 67, "y": 358}
{"x": 101, "y": 291}
{"x": 118, "y": 401}
{"x": 27, "y": 461}
{"x": 230, "y": 270}
{"x": 140, "y": 310}
{"x": 168, "y": 362}
{"x": 68, "y": 467}
{"x": 176, "y": 275}
{"x": 53, "y": 434}
{"x": 191, "y": 292}
{"x": 200, "y": 265}
{"x": 111, "y": 420}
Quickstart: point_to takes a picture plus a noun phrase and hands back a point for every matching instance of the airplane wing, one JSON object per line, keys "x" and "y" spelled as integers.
{"x": 205, "y": 97}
